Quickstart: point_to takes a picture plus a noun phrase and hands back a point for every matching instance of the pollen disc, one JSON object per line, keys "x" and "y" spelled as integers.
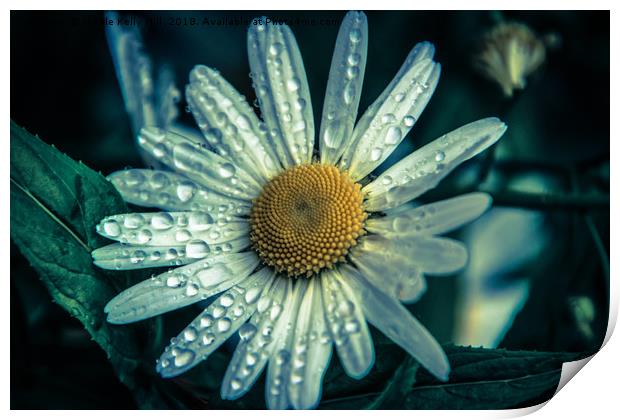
{"x": 306, "y": 219}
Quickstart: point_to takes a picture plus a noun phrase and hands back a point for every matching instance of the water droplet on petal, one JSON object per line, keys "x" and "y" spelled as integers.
{"x": 197, "y": 249}
{"x": 393, "y": 135}
{"x": 408, "y": 120}
{"x": 226, "y": 170}
{"x": 189, "y": 334}
{"x": 275, "y": 48}
{"x": 227, "y": 300}
{"x": 247, "y": 331}
{"x": 223, "y": 324}
{"x": 252, "y": 295}
{"x": 191, "y": 290}
{"x": 144, "y": 236}
{"x": 111, "y": 228}
{"x": 185, "y": 191}
{"x": 375, "y": 154}
{"x": 133, "y": 221}
{"x": 206, "y": 321}
{"x": 162, "y": 221}
{"x": 200, "y": 220}
{"x": 183, "y": 358}
{"x": 439, "y": 156}
{"x": 355, "y": 36}
{"x": 182, "y": 235}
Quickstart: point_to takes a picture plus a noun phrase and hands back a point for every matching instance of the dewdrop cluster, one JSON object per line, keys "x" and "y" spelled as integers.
{"x": 306, "y": 219}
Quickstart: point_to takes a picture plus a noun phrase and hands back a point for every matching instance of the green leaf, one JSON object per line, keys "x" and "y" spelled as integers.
{"x": 397, "y": 388}
{"x": 480, "y": 379}
{"x": 55, "y": 205}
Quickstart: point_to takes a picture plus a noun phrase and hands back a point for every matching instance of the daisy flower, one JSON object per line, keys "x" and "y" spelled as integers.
{"x": 301, "y": 246}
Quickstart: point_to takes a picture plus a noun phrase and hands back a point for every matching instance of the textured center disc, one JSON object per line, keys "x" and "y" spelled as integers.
{"x": 307, "y": 218}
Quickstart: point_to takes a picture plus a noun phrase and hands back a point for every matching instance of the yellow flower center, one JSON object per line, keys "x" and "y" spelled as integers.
{"x": 307, "y": 218}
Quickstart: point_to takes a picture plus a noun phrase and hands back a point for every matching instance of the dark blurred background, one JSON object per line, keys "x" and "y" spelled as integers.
{"x": 538, "y": 273}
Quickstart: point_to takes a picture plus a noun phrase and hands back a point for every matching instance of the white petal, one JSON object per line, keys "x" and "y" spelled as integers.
{"x": 427, "y": 254}
{"x": 278, "y": 371}
{"x": 394, "y": 273}
{"x": 397, "y": 323}
{"x": 256, "y": 341}
{"x": 131, "y": 257}
{"x": 229, "y": 124}
{"x": 424, "y": 168}
{"x": 214, "y": 325}
{"x": 181, "y": 287}
{"x": 347, "y": 324}
{"x": 310, "y": 352}
{"x": 167, "y": 96}
{"x": 133, "y": 70}
{"x": 431, "y": 219}
{"x": 171, "y": 191}
{"x": 282, "y": 90}
{"x": 388, "y": 120}
{"x": 344, "y": 87}
{"x": 198, "y": 163}
{"x": 174, "y": 228}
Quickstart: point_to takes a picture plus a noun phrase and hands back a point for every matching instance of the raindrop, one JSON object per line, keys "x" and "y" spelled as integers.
{"x": 189, "y": 334}
{"x": 247, "y": 331}
{"x": 251, "y": 359}
{"x": 138, "y": 256}
{"x": 200, "y": 220}
{"x": 162, "y": 221}
{"x": 393, "y": 135}
{"x": 375, "y": 154}
{"x": 191, "y": 290}
{"x": 197, "y": 249}
{"x": 207, "y": 339}
{"x": 408, "y": 121}
{"x": 235, "y": 385}
{"x": 388, "y": 118}
{"x": 352, "y": 72}
{"x": 227, "y": 300}
{"x": 159, "y": 180}
{"x": 174, "y": 281}
{"x": 275, "y": 312}
{"x": 218, "y": 312}
{"x": 226, "y": 170}
{"x": 263, "y": 303}
{"x": 183, "y": 358}
{"x": 182, "y": 235}
{"x": 275, "y": 48}
{"x": 293, "y": 84}
{"x": 346, "y": 308}
{"x": 223, "y": 324}
{"x": 300, "y": 104}
{"x": 144, "y": 236}
{"x": 133, "y": 177}
{"x": 133, "y": 221}
{"x": 206, "y": 321}
{"x": 252, "y": 295}
{"x": 353, "y": 59}
{"x": 440, "y": 156}
{"x": 111, "y": 228}
{"x": 352, "y": 327}
{"x": 355, "y": 36}
{"x": 348, "y": 95}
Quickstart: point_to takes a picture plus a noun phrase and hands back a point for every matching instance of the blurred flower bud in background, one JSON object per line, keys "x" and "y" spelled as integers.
{"x": 510, "y": 52}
